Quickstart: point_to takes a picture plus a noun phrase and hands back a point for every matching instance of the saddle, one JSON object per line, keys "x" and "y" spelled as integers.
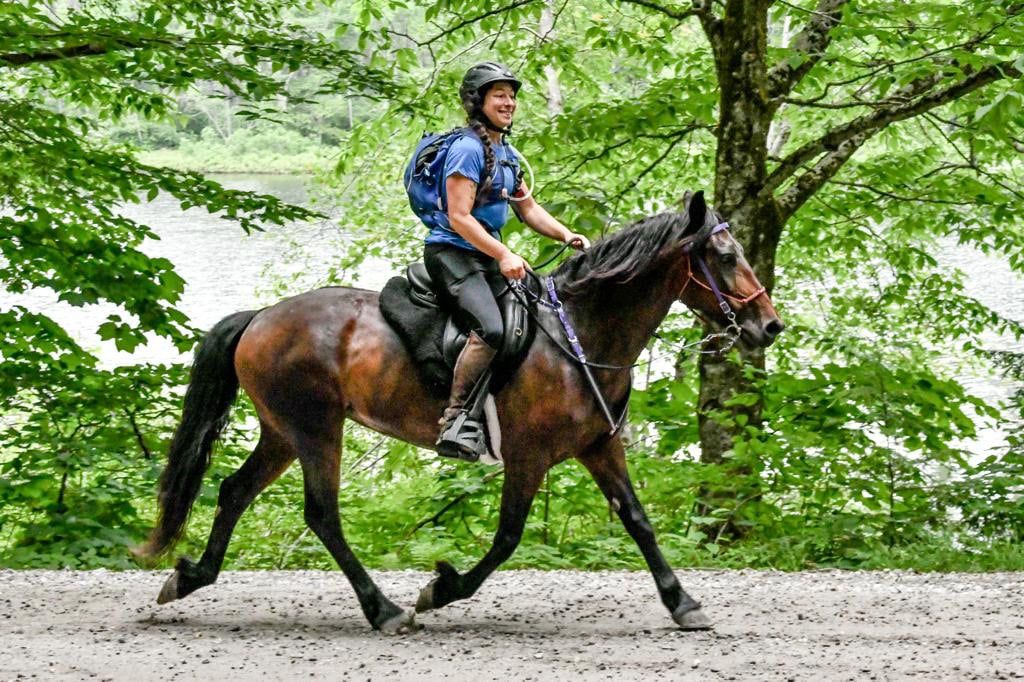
{"x": 433, "y": 337}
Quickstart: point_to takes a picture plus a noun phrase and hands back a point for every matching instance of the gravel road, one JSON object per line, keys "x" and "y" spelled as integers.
{"x": 522, "y": 625}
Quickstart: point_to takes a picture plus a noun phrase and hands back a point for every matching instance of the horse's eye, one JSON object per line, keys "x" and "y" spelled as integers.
{"x": 727, "y": 259}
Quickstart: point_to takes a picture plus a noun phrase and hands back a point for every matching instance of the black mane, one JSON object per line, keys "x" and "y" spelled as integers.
{"x": 621, "y": 256}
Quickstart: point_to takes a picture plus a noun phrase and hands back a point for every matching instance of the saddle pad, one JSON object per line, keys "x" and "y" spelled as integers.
{"x": 420, "y": 328}
{"x": 425, "y": 331}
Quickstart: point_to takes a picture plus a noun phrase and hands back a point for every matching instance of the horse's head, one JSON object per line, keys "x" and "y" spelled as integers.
{"x": 719, "y": 283}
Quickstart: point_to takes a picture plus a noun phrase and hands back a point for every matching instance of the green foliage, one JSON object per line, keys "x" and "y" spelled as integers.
{"x": 861, "y": 460}
{"x": 245, "y": 151}
{"x": 75, "y": 489}
{"x": 79, "y": 455}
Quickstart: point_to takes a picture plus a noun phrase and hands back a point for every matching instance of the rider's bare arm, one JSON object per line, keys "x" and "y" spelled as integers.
{"x": 461, "y": 193}
{"x": 539, "y": 220}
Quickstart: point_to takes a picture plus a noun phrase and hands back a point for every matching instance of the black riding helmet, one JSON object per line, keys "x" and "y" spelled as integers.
{"x": 475, "y": 83}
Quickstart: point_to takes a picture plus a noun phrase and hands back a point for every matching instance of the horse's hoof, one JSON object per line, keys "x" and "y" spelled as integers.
{"x": 169, "y": 592}
{"x": 694, "y": 619}
{"x": 426, "y": 599}
{"x": 402, "y": 624}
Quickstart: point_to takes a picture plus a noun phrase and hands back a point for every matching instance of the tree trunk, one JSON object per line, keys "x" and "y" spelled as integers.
{"x": 740, "y": 172}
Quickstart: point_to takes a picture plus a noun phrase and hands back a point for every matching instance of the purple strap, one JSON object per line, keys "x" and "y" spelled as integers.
{"x": 722, "y": 303}
{"x": 720, "y": 227}
{"x": 570, "y": 333}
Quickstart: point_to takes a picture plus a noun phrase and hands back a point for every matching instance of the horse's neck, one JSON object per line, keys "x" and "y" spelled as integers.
{"x": 615, "y": 322}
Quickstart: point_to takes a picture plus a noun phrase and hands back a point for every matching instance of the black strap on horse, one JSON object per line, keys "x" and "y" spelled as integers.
{"x": 521, "y": 291}
{"x": 576, "y": 352}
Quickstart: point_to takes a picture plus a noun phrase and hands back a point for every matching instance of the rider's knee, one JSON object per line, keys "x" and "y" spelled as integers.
{"x": 491, "y": 335}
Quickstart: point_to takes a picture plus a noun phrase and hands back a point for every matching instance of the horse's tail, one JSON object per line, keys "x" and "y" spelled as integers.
{"x": 212, "y": 388}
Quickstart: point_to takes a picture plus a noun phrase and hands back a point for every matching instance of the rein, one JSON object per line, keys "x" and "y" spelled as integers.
{"x": 521, "y": 292}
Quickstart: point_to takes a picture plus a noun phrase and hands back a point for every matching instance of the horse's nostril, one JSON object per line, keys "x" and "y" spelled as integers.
{"x": 774, "y": 327}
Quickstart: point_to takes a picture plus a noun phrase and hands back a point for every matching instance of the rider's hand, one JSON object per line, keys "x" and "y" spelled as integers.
{"x": 512, "y": 266}
{"x": 578, "y": 241}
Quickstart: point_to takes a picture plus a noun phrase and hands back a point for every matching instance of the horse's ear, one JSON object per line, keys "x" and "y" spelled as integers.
{"x": 696, "y": 209}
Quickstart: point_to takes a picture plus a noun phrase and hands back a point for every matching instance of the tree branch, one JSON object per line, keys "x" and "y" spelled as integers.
{"x": 675, "y": 134}
{"x": 854, "y": 104}
{"x": 701, "y": 9}
{"x": 472, "y": 20}
{"x": 867, "y": 125}
{"x": 652, "y": 165}
{"x": 811, "y": 43}
{"x": 68, "y": 52}
{"x": 444, "y": 510}
{"x": 878, "y": 66}
{"x": 677, "y": 14}
{"x": 897, "y": 197}
{"x": 812, "y": 180}
{"x": 712, "y": 26}
{"x": 146, "y": 452}
{"x": 971, "y": 163}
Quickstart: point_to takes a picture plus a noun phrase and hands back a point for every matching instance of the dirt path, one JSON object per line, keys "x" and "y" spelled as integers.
{"x": 522, "y": 625}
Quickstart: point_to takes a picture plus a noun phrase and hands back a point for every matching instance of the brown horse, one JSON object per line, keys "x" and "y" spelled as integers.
{"x": 310, "y": 361}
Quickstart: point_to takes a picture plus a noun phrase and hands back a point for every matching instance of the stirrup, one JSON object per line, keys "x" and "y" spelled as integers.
{"x": 462, "y": 438}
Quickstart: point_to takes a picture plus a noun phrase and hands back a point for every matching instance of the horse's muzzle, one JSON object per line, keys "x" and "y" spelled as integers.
{"x": 761, "y": 334}
{"x": 773, "y": 328}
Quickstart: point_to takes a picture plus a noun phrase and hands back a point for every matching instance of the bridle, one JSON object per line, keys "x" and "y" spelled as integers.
{"x": 732, "y": 330}
{"x": 575, "y": 352}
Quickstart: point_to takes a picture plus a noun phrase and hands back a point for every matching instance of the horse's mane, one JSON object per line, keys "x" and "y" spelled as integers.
{"x": 621, "y": 256}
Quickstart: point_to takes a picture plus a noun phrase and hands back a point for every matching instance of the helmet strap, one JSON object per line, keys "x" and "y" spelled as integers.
{"x": 491, "y": 126}
{"x": 479, "y": 115}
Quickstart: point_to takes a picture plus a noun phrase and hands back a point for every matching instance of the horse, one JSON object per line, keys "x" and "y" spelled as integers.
{"x": 313, "y": 360}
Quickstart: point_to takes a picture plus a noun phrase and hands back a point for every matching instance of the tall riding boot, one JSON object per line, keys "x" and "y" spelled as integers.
{"x": 462, "y": 436}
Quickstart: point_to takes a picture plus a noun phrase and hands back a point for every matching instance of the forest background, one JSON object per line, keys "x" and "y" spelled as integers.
{"x": 877, "y": 138}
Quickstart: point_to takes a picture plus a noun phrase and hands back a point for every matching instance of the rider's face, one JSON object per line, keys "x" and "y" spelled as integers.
{"x": 500, "y": 104}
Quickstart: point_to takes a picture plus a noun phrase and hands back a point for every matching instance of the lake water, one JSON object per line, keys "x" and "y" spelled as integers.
{"x": 226, "y": 271}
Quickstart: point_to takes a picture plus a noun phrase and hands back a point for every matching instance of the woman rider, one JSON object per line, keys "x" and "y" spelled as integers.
{"x": 466, "y": 255}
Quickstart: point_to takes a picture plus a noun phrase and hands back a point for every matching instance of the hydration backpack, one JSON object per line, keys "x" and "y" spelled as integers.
{"x": 425, "y": 173}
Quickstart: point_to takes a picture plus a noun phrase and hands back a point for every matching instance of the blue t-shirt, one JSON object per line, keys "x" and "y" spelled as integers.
{"x": 466, "y": 157}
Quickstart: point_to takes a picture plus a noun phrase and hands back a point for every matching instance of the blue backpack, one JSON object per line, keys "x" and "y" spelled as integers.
{"x": 425, "y": 173}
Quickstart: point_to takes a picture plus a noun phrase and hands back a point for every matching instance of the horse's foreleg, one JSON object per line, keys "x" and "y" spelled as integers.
{"x": 607, "y": 464}
{"x": 270, "y": 458}
{"x": 516, "y": 498}
{"x": 320, "y": 464}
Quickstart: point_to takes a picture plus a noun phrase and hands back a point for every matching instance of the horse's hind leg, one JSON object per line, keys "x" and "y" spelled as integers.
{"x": 270, "y": 458}
{"x": 517, "y": 495}
{"x": 607, "y": 464}
{"x": 320, "y": 459}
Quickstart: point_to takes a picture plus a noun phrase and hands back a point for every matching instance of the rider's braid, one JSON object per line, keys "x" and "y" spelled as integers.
{"x": 487, "y": 180}
{"x": 472, "y": 103}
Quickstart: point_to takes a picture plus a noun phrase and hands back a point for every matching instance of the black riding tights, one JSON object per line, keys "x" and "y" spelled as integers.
{"x": 469, "y": 282}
